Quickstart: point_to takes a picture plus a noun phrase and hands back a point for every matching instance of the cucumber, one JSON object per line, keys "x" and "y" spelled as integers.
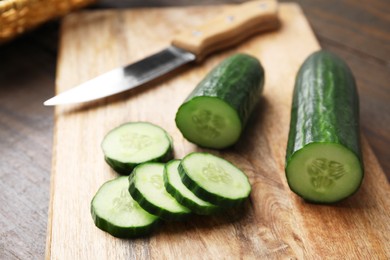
{"x": 147, "y": 188}
{"x": 214, "y": 179}
{"x": 134, "y": 143}
{"x": 114, "y": 211}
{"x": 323, "y": 159}
{"x": 216, "y": 111}
{"x": 182, "y": 194}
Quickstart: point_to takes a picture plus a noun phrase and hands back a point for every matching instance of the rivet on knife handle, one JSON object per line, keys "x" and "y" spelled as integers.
{"x": 229, "y": 28}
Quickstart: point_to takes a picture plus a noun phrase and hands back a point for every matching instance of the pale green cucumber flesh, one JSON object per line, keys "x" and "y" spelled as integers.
{"x": 147, "y": 188}
{"x": 214, "y": 179}
{"x": 209, "y": 122}
{"x": 134, "y": 143}
{"x": 116, "y": 212}
{"x": 216, "y": 111}
{"x": 324, "y": 172}
{"x": 182, "y": 194}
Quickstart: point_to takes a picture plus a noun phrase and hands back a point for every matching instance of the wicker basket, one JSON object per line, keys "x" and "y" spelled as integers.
{"x": 17, "y": 16}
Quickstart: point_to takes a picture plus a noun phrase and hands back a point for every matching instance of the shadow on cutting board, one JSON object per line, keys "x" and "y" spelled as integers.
{"x": 202, "y": 224}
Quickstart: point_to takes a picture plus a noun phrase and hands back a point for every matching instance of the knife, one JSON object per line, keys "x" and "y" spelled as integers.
{"x": 227, "y": 29}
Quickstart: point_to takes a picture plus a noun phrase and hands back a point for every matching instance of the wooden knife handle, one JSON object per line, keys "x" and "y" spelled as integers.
{"x": 231, "y": 27}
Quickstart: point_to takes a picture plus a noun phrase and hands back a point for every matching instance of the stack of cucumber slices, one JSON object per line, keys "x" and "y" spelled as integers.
{"x": 131, "y": 206}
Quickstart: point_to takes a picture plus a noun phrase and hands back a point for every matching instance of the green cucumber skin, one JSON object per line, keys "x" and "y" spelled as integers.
{"x": 151, "y": 208}
{"x": 206, "y": 195}
{"x": 325, "y": 106}
{"x": 197, "y": 209}
{"x": 127, "y": 168}
{"x": 121, "y": 232}
{"x": 237, "y": 80}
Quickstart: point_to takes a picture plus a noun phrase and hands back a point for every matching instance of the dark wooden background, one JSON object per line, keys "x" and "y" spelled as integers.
{"x": 359, "y": 31}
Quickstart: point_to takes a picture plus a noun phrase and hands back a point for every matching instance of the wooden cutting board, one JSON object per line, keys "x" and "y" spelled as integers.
{"x": 275, "y": 223}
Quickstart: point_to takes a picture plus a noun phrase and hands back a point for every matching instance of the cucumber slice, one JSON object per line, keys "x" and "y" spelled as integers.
{"x": 175, "y": 186}
{"x": 134, "y": 143}
{"x": 114, "y": 211}
{"x": 214, "y": 179}
{"x": 216, "y": 111}
{"x": 147, "y": 188}
{"x": 323, "y": 158}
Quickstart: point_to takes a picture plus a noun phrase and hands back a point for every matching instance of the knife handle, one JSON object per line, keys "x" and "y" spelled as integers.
{"x": 231, "y": 27}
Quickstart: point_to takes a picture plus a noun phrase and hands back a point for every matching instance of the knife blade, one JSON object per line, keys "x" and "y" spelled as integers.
{"x": 228, "y": 29}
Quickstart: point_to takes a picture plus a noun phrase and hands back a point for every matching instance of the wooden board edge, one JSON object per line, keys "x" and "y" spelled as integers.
{"x": 49, "y": 227}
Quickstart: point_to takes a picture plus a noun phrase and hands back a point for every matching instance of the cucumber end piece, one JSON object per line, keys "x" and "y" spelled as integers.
{"x": 324, "y": 172}
{"x": 209, "y": 122}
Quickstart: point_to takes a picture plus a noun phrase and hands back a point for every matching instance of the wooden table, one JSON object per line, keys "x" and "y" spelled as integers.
{"x": 358, "y": 32}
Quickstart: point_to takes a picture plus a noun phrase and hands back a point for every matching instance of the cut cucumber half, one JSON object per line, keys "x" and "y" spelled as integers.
{"x": 214, "y": 179}
{"x": 147, "y": 188}
{"x": 324, "y": 172}
{"x": 114, "y": 211}
{"x": 217, "y": 110}
{"x": 182, "y": 194}
{"x": 134, "y": 143}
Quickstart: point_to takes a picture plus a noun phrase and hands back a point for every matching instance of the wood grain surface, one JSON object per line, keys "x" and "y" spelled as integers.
{"x": 358, "y": 31}
{"x": 273, "y": 224}
{"x": 26, "y": 133}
